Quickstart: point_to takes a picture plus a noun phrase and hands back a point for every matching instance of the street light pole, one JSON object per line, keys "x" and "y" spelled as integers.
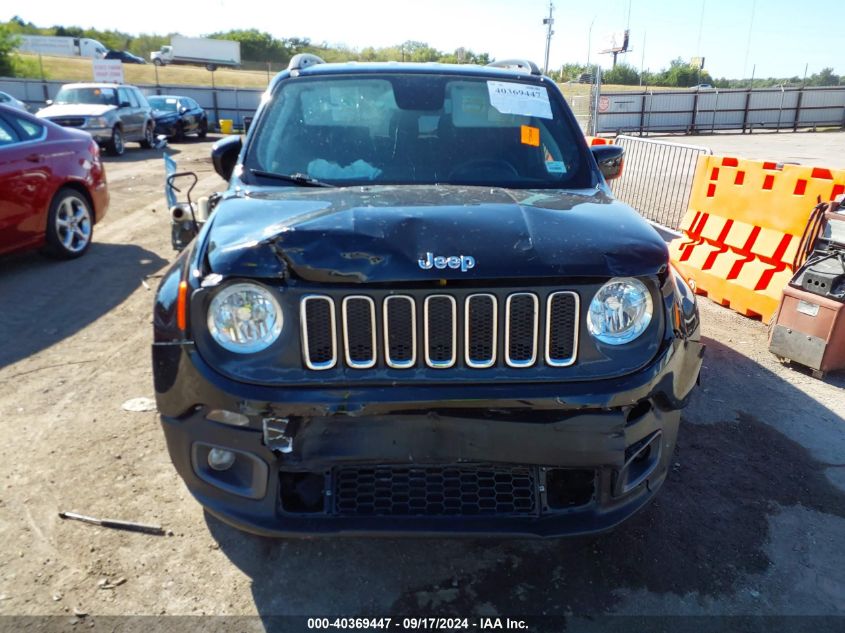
{"x": 589, "y": 41}
{"x": 549, "y": 21}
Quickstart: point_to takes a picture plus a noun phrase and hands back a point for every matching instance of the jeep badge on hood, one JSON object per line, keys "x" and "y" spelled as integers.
{"x": 464, "y": 262}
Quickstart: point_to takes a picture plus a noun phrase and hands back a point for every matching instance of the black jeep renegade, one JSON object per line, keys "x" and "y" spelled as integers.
{"x": 418, "y": 309}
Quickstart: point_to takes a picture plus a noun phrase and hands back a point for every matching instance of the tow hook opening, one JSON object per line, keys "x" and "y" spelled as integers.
{"x": 302, "y": 493}
{"x": 569, "y": 488}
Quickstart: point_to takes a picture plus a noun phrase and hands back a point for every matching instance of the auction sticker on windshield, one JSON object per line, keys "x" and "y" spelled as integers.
{"x": 513, "y": 98}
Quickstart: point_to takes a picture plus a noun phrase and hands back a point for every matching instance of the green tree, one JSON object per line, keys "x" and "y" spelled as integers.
{"x": 824, "y": 78}
{"x": 8, "y": 43}
{"x": 571, "y": 72}
{"x": 622, "y": 74}
{"x": 257, "y": 45}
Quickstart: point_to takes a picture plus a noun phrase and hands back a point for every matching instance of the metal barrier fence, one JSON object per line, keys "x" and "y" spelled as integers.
{"x": 657, "y": 178}
{"x": 220, "y": 103}
{"x": 695, "y": 111}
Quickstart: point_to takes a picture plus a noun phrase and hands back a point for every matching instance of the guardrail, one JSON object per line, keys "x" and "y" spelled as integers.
{"x": 657, "y": 178}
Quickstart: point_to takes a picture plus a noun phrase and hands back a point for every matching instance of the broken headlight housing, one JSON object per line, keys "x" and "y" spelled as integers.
{"x": 245, "y": 318}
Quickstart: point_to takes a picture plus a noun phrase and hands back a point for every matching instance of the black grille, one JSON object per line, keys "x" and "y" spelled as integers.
{"x": 69, "y": 121}
{"x": 522, "y": 329}
{"x": 399, "y": 326}
{"x": 320, "y": 329}
{"x": 358, "y": 330}
{"x": 440, "y": 330}
{"x": 435, "y": 490}
{"x": 562, "y": 321}
{"x": 481, "y": 330}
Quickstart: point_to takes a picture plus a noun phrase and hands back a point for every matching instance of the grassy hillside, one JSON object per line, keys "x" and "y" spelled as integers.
{"x": 79, "y": 69}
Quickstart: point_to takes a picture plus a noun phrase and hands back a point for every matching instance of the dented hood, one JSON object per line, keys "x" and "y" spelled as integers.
{"x": 381, "y": 234}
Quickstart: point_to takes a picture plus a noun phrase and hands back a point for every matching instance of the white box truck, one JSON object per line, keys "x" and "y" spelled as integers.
{"x": 199, "y": 50}
{"x": 62, "y": 46}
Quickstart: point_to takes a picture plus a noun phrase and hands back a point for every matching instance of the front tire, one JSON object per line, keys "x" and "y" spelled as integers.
{"x": 158, "y": 62}
{"x": 116, "y": 146}
{"x": 70, "y": 225}
{"x": 149, "y": 137}
{"x": 203, "y": 131}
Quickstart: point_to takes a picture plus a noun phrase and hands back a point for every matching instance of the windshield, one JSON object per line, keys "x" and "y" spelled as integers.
{"x": 99, "y": 96}
{"x": 419, "y": 129}
{"x": 162, "y": 103}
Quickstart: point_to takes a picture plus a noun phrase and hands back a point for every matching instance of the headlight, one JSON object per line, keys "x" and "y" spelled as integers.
{"x": 620, "y": 311}
{"x": 97, "y": 121}
{"x": 244, "y": 318}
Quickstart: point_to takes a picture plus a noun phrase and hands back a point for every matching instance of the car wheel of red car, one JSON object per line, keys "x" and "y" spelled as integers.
{"x": 70, "y": 225}
{"x": 115, "y": 145}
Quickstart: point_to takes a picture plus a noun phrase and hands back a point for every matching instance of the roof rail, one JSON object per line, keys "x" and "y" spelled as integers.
{"x": 518, "y": 64}
{"x": 303, "y": 60}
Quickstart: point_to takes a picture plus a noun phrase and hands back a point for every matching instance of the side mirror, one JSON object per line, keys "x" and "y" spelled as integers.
{"x": 183, "y": 110}
{"x": 224, "y": 155}
{"x": 49, "y": 102}
{"x": 610, "y": 159}
{"x": 125, "y": 104}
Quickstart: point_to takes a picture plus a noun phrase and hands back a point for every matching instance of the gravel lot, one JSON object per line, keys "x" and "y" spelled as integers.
{"x": 750, "y": 521}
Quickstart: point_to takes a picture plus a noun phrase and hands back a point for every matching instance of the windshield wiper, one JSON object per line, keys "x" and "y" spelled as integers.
{"x": 297, "y": 179}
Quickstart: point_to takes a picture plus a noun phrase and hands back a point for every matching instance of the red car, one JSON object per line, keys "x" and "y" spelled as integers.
{"x": 52, "y": 186}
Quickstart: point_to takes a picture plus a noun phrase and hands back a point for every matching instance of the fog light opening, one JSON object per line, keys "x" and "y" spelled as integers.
{"x": 221, "y": 459}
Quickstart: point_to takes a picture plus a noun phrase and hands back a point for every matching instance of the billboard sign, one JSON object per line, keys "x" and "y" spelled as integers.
{"x": 616, "y": 42}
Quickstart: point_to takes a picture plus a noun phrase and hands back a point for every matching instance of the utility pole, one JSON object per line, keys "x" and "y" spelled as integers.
{"x": 748, "y": 44}
{"x": 549, "y": 21}
{"x": 642, "y": 59}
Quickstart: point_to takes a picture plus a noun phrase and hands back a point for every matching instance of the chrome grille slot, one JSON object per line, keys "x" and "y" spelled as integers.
{"x": 440, "y": 330}
{"x": 359, "y": 331}
{"x": 561, "y": 329}
{"x": 319, "y": 332}
{"x": 521, "y": 320}
{"x": 400, "y": 332}
{"x": 480, "y": 331}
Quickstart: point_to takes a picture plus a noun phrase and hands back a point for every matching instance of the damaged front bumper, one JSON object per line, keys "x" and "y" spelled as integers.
{"x": 486, "y": 459}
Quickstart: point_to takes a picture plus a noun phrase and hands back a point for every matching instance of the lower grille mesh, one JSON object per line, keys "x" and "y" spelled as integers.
{"x": 435, "y": 491}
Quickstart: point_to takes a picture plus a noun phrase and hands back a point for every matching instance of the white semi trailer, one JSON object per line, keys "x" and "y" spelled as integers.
{"x": 62, "y": 46}
{"x": 199, "y": 50}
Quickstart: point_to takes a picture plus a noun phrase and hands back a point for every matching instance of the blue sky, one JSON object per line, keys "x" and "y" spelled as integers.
{"x": 785, "y": 35}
